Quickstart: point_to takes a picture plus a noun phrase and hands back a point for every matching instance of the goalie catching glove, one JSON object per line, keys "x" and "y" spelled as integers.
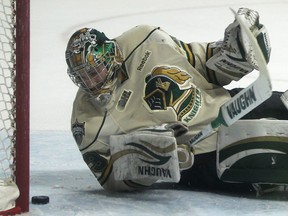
{"x": 235, "y": 57}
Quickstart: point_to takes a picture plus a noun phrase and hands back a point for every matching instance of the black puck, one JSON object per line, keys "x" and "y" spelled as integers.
{"x": 40, "y": 200}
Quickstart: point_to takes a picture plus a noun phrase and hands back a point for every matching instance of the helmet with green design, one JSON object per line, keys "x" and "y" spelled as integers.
{"x": 93, "y": 61}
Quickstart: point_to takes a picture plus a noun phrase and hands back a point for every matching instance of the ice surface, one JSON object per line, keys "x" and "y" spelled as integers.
{"x": 57, "y": 168}
{"x": 58, "y": 171}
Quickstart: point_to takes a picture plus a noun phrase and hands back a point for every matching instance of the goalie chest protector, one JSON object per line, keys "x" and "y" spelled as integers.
{"x": 253, "y": 151}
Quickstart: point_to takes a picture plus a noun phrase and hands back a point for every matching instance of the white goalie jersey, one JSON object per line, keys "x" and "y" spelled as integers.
{"x": 166, "y": 80}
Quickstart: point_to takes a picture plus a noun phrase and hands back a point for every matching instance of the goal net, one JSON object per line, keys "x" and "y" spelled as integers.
{"x": 14, "y": 106}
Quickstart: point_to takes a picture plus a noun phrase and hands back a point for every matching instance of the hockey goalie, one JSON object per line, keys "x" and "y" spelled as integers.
{"x": 145, "y": 93}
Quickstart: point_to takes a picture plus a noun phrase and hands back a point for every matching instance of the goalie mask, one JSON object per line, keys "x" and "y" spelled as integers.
{"x": 93, "y": 61}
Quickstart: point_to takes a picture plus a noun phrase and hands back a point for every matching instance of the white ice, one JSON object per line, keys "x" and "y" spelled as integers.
{"x": 57, "y": 168}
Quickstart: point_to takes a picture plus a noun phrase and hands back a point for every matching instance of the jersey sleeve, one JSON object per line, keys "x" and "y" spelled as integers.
{"x": 198, "y": 54}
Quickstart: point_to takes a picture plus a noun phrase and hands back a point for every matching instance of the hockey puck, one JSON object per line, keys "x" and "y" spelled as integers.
{"x": 41, "y": 200}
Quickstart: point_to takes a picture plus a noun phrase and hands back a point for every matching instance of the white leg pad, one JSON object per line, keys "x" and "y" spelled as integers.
{"x": 9, "y": 193}
{"x": 253, "y": 146}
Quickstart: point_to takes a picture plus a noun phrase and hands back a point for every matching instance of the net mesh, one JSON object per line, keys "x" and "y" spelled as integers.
{"x": 7, "y": 90}
{"x": 14, "y": 181}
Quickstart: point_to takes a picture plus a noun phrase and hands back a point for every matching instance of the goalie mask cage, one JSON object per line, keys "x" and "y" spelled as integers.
{"x": 14, "y": 106}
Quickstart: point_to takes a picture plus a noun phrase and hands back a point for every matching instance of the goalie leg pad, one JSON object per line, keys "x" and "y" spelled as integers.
{"x": 253, "y": 151}
{"x": 145, "y": 156}
{"x": 284, "y": 98}
{"x": 9, "y": 191}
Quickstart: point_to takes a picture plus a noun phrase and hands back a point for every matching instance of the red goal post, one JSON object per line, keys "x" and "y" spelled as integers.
{"x": 14, "y": 105}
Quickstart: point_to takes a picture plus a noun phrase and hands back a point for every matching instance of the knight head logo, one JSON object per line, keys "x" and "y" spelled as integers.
{"x": 172, "y": 88}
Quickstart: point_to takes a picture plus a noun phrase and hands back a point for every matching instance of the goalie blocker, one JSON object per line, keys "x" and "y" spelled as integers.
{"x": 149, "y": 155}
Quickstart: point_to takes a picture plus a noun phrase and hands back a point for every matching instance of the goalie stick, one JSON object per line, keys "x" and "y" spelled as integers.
{"x": 248, "y": 98}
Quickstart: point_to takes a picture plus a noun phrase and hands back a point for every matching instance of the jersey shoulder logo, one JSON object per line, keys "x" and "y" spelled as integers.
{"x": 171, "y": 87}
{"x": 124, "y": 98}
{"x": 78, "y": 131}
